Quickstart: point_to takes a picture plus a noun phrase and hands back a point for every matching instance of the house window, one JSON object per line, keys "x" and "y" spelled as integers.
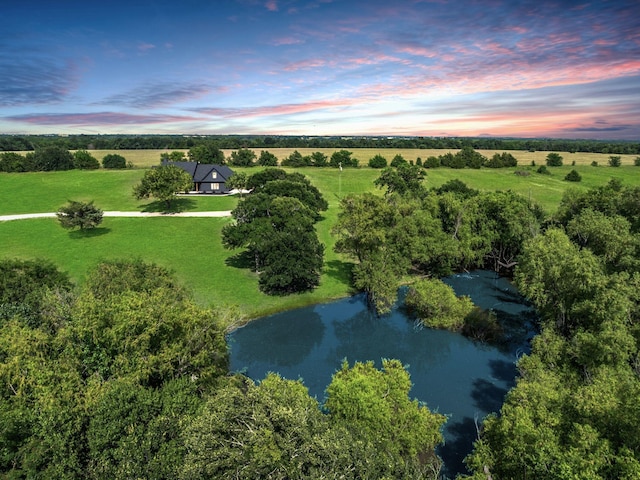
{"x": 214, "y": 174}
{"x": 215, "y": 186}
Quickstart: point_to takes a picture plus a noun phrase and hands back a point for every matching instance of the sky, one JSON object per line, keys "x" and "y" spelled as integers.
{"x": 505, "y": 68}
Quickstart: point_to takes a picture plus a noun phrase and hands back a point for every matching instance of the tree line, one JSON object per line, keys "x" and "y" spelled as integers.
{"x": 183, "y": 142}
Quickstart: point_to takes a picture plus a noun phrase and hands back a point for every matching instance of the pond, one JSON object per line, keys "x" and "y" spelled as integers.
{"x": 455, "y": 376}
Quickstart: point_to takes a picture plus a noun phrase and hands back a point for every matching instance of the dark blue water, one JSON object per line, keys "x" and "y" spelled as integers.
{"x": 453, "y": 375}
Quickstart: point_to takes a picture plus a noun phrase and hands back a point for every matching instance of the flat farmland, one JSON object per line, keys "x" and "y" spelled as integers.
{"x": 147, "y": 158}
{"x": 192, "y": 247}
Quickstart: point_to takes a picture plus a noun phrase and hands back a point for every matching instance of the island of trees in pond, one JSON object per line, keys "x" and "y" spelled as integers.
{"x": 125, "y": 376}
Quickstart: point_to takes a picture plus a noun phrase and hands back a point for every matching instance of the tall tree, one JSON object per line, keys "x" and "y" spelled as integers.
{"x": 163, "y": 182}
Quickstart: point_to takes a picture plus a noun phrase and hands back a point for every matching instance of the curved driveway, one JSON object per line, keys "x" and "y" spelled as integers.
{"x": 222, "y": 213}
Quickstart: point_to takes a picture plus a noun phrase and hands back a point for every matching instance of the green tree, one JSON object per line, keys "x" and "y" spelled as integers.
{"x": 238, "y": 181}
{"x": 573, "y": 176}
{"x": 52, "y": 158}
{"x": 206, "y": 153}
{"x": 242, "y": 157}
{"x": 79, "y": 215}
{"x": 615, "y": 161}
{"x": 398, "y": 160}
{"x": 278, "y": 232}
{"x": 296, "y": 159}
{"x": 83, "y": 160}
{"x": 554, "y": 160}
{"x": 13, "y": 162}
{"x": 113, "y": 160}
{"x": 267, "y": 159}
{"x": 319, "y": 159}
{"x": 377, "y": 161}
{"x": 436, "y": 304}
{"x": 375, "y": 404}
{"x": 403, "y": 179}
{"x": 163, "y": 182}
{"x": 343, "y": 158}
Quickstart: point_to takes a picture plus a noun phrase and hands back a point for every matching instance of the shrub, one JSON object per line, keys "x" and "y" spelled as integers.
{"x": 51, "y": 158}
{"x": 615, "y": 161}
{"x": 83, "y": 160}
{"x": 378, "y": 161}
{"x": 433, "y": 162}
{"x": 242, "y": 157}
{"x": 267, "y": 159}
{"x": 554, "y": 160}
{"x": 397, "y": 161}
{"x": 594, "y": 164}
{"x": 343, "y": 158}
{"x": 113, "y": 160}
{"x": 573, "y": 176}
{"x": 522, "y": 173}
{"x": 543, "y": 170}
{"x": 436, "y": 305}
{"x": 636, "y": 161}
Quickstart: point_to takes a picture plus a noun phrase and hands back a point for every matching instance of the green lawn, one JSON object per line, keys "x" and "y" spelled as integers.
{"x": 191, "y": 247}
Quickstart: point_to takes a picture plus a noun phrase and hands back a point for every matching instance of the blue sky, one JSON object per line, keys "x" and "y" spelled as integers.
{"x": 322, "y": 67}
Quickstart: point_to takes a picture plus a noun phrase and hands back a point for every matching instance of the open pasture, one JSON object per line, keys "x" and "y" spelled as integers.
{"x": 192, "y": 248}
{"x": 147, "y": 158}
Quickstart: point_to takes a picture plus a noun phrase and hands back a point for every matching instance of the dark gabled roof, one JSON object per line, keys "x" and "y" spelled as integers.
{"x": 189, "y": 167}
{"x": 201, "y": 172}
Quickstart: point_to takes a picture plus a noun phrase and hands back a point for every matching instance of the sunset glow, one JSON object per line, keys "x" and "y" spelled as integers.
{"x": 322, "y": 67}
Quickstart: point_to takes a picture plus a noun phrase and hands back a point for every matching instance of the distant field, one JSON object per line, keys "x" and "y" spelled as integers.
{"x": 191, "y": 246}
{"x": 147, "y": 158}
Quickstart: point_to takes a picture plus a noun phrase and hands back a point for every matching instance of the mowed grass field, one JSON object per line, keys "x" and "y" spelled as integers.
{"x": 192, "y": 248}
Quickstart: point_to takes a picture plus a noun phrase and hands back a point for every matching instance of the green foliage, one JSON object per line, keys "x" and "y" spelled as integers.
{"x": 636, "y": 161}
{"x": 615, "y": 161}
{"x": 554, "y": 160}
{"x": 242, "y": 157}
{"x": 275, "y": 223}
{"x": 207, "y": 153}
{"x": 403, "y": 179}
{"x": 542, "y": 169}
{"x": 79, "y": 215}
{"x": 24, "y": 288}
{"x": 501, "y": 160}
{"x": 343, "y": 158}
{"x": 398, "y": 160}
{"x": 378, "y": 161}
{"x": 106, "y": 392}
{"x": 83, "y": 160}
{"x": 594, "y": 164}
{"x": 296, "y": 160}
{"x": 113, "y": 160}
{"x": 267, "y": 159}
{"x": 319, "y": 159}
{"x": 163, "y": 182}
{"x": 573, "y": 176}
{"x": 432, "y": 162}
{"x": 50, "y": 158}
{"x": 375, "y": 404}
{"x": 436, "y": 305}
{"x": 13, "y": 162}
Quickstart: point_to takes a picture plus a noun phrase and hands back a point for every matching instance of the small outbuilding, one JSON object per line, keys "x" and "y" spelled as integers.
{"x": 207, "y": 178}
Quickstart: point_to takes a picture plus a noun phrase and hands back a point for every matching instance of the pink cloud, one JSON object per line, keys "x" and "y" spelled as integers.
{"x": 271, "y": 5}
{"x": 284, "y": 109}
{"x": 286, "y": 41}
{"x": 144, "y": 47}
{"x": 98, "y": 118}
